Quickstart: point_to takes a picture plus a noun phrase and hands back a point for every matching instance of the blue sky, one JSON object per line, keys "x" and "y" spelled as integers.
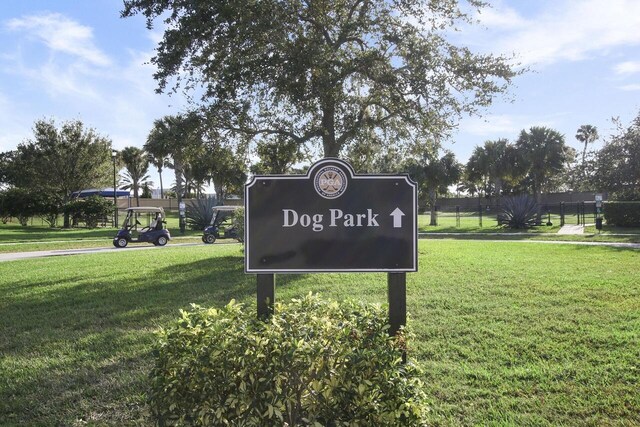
{"x": 70, "y": 59}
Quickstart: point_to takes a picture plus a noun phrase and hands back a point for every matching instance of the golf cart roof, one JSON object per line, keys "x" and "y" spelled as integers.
{"x": 146, "y": 209}
{"x": 226, "y": 208}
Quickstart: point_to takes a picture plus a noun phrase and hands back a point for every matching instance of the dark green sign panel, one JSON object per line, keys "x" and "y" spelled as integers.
{"x": 330, "y": 220}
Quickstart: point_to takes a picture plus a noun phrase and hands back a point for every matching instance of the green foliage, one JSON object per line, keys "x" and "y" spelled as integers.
{"x": 199, "y": 213}
{"x": 617, "y": 164}
{"x": 91, "y": 210}
{"x": 626, "y": 195}
{"x": 492, "y": 165}
{"x": 622, "y": 214}
{"x": 237, "y": 221}
{"x": 327, "y": 72}
{"x": 587, "y": 134}
{"x": 544, "y": 155}
{"x": 313, "y": 363}
{"x": 136, "y": 163}
{"x": 60, "y": 160}
{"x": 277, "y": 156}
{"x": 177, "y": 137}
{"x": 146, "y": 191}
{"x": 434, "y": 175}
{"x": 519, "y": 212}
{"x": 23, "y": 204}
{"x": 20, "y": 203}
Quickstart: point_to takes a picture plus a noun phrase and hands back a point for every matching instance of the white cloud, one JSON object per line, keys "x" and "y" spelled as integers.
{"x": 628, "y": 67}
{"x": 630, "y": 87}
{"x": 502, "y": 125}
{"x": 506, "y": 125}
{"x": 563, "y": 30}
{"x": 61, "y": 34}
{"x": 500, "y": 17}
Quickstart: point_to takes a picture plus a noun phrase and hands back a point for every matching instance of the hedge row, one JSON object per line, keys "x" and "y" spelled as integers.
{"x": 314, "y": 363}
{"x": 622, "y": 214}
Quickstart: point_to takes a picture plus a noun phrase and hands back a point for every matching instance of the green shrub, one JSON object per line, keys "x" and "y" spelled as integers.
{"x": 20, "y": 203}
{"x": 622, "y": 214}
{"x": 313, "y": 363}
{"x": 626, "y": 195}
{"x": 91, "y": 210}
{"x": 237, "y": 221}
{"x": 518, "y": 212}
{"x": 200, "y": 213}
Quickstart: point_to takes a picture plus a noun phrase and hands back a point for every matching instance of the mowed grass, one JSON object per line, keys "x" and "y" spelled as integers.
{"x": 38, "y": 237}
{"x": 508, "y": 333}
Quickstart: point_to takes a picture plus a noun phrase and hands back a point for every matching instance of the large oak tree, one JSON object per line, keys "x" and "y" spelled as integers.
{"x": 327, "y": 71}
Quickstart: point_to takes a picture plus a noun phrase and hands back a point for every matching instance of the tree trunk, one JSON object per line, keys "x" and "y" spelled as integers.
{"x": 161, "y": 189}
{"x": 178, "y": 171}
{"x": 498, "y": 184}
{"x": 219, "y": 193}
{"x": 135, "y": 193}
{"x": 67, "y": 221}
{"x": 432, "y": 198}
{"x": 329, "y": 144}
{"x": 538, "y": 196}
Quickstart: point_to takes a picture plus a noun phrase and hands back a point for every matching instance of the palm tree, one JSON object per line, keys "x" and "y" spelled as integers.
{"x": 586, "y": 134}
{"x": 175, "y": 136}
{"x": 434, "y": 175}
{"x": 136, "y": 163}
{"x": 160, "y": 160}
{"x": 545, "y": 155}
{"x": 494, "y": 163}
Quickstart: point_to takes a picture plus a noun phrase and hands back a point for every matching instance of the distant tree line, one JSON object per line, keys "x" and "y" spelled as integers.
{"x": 274, "y": 86}
{"x": 42, "y": 173}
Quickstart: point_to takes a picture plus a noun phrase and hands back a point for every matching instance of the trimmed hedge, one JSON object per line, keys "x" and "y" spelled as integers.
{"x": 91, "y": 210}
{"x": 314, "y": 363}
{"x": 622, "y": 214}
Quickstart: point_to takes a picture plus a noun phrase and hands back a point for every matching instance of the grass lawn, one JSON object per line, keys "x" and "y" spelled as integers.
{"x": 38, "y": 237}
{"x": 508, "y": 333}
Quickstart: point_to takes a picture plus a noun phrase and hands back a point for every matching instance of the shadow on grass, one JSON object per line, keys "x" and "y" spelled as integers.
{"x": 79, "y": 350}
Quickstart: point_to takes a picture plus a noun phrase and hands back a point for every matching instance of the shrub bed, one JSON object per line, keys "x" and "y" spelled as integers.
{"x": 313, "y": 363}
{"x": 622, "y": 214}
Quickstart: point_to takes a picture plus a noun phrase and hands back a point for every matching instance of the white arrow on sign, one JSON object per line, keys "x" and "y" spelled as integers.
{"x": 397, "y": 215}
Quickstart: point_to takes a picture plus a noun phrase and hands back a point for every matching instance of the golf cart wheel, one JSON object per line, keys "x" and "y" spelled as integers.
{"x": 121, "y": 242}
{"x": 161, "y": 241}
{"x": 209, "y": 239}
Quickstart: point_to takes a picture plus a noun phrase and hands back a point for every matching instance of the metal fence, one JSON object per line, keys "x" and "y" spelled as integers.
{"x": 488, "y": 215}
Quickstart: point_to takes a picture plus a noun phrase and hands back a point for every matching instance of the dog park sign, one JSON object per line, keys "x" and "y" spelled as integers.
{"x": 330, "y": 220}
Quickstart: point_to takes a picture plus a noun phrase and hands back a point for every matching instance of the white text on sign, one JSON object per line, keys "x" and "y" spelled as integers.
{"x": 337, "y": 218}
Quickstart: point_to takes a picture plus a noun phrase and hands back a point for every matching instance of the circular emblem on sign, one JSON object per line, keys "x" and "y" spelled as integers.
{"x": 330, "y": 182}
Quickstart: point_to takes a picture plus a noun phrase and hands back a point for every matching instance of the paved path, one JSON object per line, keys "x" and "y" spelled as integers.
{"x": 571, "y": 229}
{"x": 12, "y": 256}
